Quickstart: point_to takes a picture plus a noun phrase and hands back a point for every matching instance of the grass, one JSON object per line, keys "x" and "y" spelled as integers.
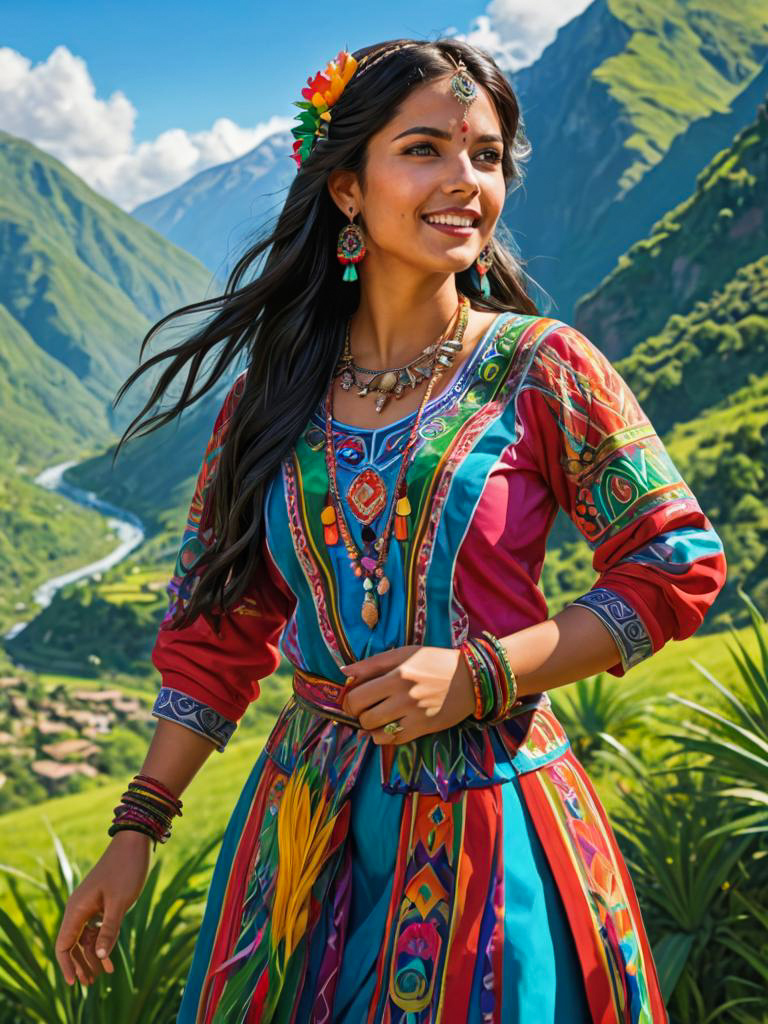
{"x": 81, "y": 820}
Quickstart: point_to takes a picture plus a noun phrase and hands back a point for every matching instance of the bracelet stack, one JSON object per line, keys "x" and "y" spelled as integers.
{"x": 147, "y": 806}
{"x": 493, "y": 680}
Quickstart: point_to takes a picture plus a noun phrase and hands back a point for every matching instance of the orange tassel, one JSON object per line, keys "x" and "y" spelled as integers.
{"x": 331, "y": 534}
{"x": 401, "y": 528}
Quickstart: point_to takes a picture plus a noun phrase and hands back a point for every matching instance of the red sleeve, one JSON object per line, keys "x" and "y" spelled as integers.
{"x": 209, "y": 678}
{"x": 659, "y": 561}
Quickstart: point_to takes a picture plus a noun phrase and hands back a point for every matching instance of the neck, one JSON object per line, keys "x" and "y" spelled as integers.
{"x": 395, "y": 321}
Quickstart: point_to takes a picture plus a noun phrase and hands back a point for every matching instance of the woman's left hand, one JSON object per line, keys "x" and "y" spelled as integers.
{"x": 425, "y": 689}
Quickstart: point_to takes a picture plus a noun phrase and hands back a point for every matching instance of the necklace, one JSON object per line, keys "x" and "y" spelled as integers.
{"x": 366, "y": 567}
{"x": 393, "y": 380}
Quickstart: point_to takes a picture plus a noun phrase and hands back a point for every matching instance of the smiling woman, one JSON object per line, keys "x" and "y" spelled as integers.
{"x": 416, "y": 843}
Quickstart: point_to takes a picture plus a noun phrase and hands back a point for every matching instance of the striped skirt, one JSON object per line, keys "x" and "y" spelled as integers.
{"x": 336, "y": 901}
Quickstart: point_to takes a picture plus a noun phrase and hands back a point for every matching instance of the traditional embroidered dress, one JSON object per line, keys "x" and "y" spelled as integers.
{"x": 470, "y": 875}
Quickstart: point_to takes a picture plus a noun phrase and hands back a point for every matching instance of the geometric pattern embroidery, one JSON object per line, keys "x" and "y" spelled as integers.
{"x": 193, "y": 714}
{"x": 626, "y": 626}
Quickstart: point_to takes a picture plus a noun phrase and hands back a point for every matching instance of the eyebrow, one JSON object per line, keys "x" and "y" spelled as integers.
{"x": 438, "y": 133}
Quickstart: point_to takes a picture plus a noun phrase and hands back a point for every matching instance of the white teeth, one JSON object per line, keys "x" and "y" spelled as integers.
{"x": 460, "y": 222}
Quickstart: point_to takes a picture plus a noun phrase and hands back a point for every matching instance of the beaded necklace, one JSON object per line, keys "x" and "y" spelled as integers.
{"x": 364, "y": 565}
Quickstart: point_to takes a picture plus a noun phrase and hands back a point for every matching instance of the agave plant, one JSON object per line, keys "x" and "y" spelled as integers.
{"x": 685, "y": 868}
{"x": 737, "y": 741}
{"x": 590, "y": 709}
{"x": 151, "y": 956}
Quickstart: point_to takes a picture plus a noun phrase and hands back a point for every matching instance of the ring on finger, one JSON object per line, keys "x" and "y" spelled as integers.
{"x": 393, "y": 728}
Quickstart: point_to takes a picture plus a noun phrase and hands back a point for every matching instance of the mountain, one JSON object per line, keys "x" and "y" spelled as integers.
{"x": 694, "y": 249}
{"x": 212, "y": 214}
{"x": 603, "y": 105}
{"x": 623, "y": 109}
{"x": 154, "y": 476}
{"x": 81, "y": 277}
{"x": 685, "y": 318}
{"x": 81, "y": 282}
{"x": 46, "y": 413}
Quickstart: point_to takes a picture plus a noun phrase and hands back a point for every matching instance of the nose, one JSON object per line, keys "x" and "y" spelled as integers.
{"x": 464, "y": 177}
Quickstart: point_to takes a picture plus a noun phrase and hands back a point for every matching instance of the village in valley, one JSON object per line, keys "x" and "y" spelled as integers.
{"x": 54, "y": 740}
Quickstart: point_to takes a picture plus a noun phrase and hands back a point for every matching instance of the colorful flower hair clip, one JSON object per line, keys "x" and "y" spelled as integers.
{"x": 322, "y": 92}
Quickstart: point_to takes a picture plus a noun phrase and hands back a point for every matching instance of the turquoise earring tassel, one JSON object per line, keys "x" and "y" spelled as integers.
{"x": 350, "y": 249}
{"x": 481, "y": 267}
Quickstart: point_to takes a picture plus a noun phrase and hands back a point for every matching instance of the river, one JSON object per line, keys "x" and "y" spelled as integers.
{"x": 129, "y": 532}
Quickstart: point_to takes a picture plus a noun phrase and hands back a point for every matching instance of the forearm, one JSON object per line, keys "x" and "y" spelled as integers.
{"x": 175, "y": 755}
{"x": 571, "y": 645}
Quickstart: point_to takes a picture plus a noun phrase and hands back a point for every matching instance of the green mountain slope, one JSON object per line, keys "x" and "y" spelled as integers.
{"x": 155, "y": 476}
{"x": 692, "y": 251}
{"x": 80, "y": 284}
{"x": 83, "y": 278}
{"x": 46, "y": 413}
{"x": 603, "y": 105}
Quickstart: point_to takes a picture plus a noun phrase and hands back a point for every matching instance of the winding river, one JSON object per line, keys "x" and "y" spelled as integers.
{"x": 129, "y": 532}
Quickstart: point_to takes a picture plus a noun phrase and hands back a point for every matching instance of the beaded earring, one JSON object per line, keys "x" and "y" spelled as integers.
{"x": 482, "y": 266}
{"x": 350, "y": 249}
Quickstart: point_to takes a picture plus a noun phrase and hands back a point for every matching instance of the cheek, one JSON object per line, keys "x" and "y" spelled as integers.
{"x": 394, "y": 198}
{"x": 498, "y": 195}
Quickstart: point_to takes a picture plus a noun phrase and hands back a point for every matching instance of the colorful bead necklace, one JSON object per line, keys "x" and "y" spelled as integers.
{"x": 365, "y": 566}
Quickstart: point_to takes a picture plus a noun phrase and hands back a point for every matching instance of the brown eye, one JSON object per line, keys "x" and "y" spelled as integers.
{"x": 493, "y": 156}
{"x": 420, "y": 145}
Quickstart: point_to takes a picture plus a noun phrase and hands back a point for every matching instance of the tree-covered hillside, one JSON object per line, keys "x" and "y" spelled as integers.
{"x": 603, "y": 105}
{"x": 694, "y": 249}
{"x": 692, "y": 301}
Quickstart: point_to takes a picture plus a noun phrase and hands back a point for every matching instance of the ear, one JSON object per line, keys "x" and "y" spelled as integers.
{"x": 345, "y": 191}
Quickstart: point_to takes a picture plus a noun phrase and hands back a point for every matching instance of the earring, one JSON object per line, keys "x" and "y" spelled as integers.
{"x": 350, "y": 249}
{"x": 481, "y": 267}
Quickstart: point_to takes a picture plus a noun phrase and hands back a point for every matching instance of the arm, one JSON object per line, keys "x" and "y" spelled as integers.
{"x": 208, "y": 680}
{"x": 568, "y": 646}
{"x": 659, "y": 562}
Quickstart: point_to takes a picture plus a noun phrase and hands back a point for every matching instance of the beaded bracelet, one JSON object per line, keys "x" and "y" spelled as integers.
{"x": 147, "y": 806}
{"x": 493, "y": 680}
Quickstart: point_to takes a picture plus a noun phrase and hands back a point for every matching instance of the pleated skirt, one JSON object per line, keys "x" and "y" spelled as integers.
{"x": 532, "y": 976}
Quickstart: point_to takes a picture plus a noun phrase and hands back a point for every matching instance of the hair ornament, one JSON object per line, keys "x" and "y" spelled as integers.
{"x": 322, "y": 92}
{"x": 464, "y": 88}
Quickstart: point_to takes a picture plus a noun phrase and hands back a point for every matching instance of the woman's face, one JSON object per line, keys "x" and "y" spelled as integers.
{"x": 422, "y": 163}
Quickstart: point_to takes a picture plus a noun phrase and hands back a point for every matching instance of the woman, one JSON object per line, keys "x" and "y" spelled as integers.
{"x": 416, "y": 842}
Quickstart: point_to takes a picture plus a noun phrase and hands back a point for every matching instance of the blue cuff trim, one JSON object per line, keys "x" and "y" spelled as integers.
{"x": 626, "y": 626}
{"x": 193, "y": 714}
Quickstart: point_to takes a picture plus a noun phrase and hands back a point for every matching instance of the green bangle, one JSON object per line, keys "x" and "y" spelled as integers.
{"x": 510, "y": 675}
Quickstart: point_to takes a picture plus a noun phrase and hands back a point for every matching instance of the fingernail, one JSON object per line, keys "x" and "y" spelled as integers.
{"x": 101, "y": 952}
{"x": 346, "y": 669}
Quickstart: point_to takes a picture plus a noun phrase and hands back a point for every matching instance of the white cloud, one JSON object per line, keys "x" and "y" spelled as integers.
{"x": 515, "y": 32}
{"x": 54, "y": 105}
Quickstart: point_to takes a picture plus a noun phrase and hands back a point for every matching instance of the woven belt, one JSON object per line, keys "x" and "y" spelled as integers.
{"x": 322, "y": 696}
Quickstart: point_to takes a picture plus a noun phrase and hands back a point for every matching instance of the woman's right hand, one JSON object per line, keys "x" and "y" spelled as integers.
{"x": 111, "y": 887}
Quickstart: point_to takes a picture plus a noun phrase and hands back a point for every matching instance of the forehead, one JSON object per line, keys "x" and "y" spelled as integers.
{"x": 434, "y": 104}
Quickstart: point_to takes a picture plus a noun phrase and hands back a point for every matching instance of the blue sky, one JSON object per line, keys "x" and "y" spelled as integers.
{"x": 184, "y": 64}
{"x": 137, "y": 97}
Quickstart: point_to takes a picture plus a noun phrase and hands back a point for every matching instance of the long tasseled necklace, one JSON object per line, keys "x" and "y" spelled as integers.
{"x": 367, "y": 494}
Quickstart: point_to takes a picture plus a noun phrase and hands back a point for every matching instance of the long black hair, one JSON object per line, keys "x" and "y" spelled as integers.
{"x": 288, "y": 319}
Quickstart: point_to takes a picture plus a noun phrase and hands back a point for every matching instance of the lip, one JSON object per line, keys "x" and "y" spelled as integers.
{"x": 452, "y": 229}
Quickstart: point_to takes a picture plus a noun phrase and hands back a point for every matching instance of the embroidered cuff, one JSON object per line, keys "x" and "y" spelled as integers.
{"x": 626, "y": 626}
{"x": 184, "y": 710}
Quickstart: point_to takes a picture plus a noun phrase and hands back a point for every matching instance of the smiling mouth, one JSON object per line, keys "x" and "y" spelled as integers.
{"x": 448, "y": 224}
{"x": 451, "y": 220}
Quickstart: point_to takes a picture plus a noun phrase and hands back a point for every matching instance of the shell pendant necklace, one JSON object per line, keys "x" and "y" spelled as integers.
{"x": 395, "y": 379}
{"x": 364, "y": 565}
